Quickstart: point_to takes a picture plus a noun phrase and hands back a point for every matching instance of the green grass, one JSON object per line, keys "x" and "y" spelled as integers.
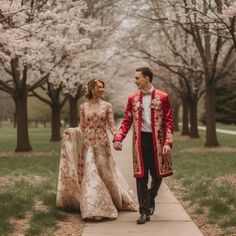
{"x": 196, "y": 171}
{"x": 39, "y": 139}
{"x": 18, "y": 166}
{"x": 45, "y": 222}
{"x": 226, "y": 127}
{"x": 22, "y": 171}
{"x": 42, "y": 223}
{"x": 15, "y": 202}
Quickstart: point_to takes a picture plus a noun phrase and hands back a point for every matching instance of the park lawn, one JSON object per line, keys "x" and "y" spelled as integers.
{"x": 28, "y": 181}
{"x": 226, "y": 127}
{"x": 28, "y": 184}
{"x": 206, "y": 180}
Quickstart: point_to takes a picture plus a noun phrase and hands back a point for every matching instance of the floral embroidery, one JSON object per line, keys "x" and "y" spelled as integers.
{"x": 162, "y": 131}
{"x": 138, "y": 106}
{"x": 170, "y": 136}
{"x": 129, "y": 114}
{"x": 89, "y": 179}
{"x": 136, "y": 155}
{"x": 155, "y": 103}
{"x": 164, "y": 164}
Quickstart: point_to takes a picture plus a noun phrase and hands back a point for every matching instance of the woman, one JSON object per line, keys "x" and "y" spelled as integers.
{"x": 89, "y": 178}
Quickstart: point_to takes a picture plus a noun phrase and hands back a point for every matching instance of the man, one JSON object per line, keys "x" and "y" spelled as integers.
{"x": 150, "y": 113}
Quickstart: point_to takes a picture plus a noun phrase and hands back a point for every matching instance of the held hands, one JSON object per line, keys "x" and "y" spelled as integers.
{"x": 117, "y": 145}
{"x": 166, "y": 150}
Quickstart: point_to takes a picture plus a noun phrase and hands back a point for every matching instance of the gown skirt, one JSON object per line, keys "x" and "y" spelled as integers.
{"x": 90, "y": 180}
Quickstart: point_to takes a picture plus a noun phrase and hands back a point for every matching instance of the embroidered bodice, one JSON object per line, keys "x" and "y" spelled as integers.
{"x": 93, "y": 122}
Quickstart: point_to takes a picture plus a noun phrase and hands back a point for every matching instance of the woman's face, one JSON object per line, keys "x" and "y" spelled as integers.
{"x": 98, "y": 90}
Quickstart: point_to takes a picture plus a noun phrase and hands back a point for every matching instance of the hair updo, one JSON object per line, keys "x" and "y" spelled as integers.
{"x": 90, "y": 86}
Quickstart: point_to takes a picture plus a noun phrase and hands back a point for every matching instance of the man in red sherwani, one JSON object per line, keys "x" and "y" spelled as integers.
{"x": 150, "y": 113}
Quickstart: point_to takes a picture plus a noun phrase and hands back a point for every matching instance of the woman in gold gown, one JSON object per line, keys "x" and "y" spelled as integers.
{"x": 89, "y": 178}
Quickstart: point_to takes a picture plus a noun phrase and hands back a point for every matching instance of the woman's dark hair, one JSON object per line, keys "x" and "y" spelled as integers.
{"x": 146, "y": 71}
{"x": 90, "y": 86}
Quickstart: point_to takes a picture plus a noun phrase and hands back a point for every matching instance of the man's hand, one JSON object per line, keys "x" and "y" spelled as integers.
{"x": 166, "y": 150}
{"x": 117, "y": 145}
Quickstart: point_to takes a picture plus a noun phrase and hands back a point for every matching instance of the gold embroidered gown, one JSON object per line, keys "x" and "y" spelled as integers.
{"x": 89, "y": 178}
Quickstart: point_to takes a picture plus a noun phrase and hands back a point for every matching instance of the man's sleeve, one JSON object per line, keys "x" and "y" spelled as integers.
{"x": 126, "y": 123}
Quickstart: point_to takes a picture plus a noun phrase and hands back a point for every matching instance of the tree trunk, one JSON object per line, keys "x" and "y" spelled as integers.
{"x": 211, "y": 136}
{"x": 185, "y": 127}
{"x": 55, "y": 123}
{"x": 56, "y": 106}
{"x": 73, "y": 111}
{"x": 193, "y": 118}
{"x": 176, "y": 116}
{"x": 23, "y": 143}
{"x": 14, "y": 119}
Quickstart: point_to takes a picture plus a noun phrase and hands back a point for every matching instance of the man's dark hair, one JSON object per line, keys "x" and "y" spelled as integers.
{"x": 146, "y": 71}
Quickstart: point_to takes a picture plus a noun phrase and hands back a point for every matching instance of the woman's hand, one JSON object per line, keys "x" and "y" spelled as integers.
{"x": 117, "y": 145}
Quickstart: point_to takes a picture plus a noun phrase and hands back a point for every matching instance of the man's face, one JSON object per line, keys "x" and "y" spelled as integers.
{"x": 140, "y": 80}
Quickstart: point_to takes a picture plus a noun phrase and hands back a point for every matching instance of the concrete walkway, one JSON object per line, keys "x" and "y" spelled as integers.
{"x": 169, "y": 219}
{"x": 218, "y": 130}
{"x": 223, "y": 131}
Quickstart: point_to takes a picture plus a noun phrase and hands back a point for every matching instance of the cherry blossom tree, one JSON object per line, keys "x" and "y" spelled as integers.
{"x": 80, "y": 64}
{"x": 33, "y": 43}
{"x": 174, "y": 52}
{"x": 215, "y": 51}
{"x": 14, "y": 43}
{"x": 203, "y": 59}
{"x": 93, "y": 62}
{"x": 6, "y": 107}
{"x": 73, "y": 86}
{"x": 225, "y": 19}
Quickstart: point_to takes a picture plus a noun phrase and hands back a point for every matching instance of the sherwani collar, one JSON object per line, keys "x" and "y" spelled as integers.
{"x": 149, "y": 92}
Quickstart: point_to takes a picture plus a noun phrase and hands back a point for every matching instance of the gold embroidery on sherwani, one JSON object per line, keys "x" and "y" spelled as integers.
{"x": 161, "y": 119}
{"x": 164, "y": 161}
{"x": 100, "y": 188}
{"x": 170, "y": 136}
{"x": 137, "y": 107}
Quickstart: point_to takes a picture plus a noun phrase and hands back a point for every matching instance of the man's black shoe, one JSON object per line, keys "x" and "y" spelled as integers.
{"x": 143, "y": 219}
{"x": 152, "y": 206}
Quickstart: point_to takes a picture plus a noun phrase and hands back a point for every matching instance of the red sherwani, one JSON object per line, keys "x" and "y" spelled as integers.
{"x": 162, "y": 131}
